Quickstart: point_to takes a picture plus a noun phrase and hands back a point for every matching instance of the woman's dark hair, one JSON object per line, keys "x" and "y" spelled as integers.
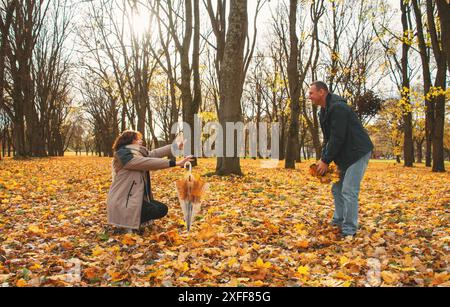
{"x": 126, "y": 138}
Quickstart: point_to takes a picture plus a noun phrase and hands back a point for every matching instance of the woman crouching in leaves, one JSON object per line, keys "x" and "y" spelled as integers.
{"x": 130, "y": 201}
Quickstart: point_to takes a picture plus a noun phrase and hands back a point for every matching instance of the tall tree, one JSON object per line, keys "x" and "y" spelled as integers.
{"x": 438, "y": 97}
{"x": 443, "y": 8}
{"x": 292, "y": 146}
{"x": 426, "y": 75}
{"x": 51, "y": 70}
{"x": 27, "y": 22}
{"x": 231, "y": 81}
{"x": 103, "y": 113}
{"x": 227, "y": 38}
{"x": 400, "y": 74}
{"x": 187, "y": 45}
{"x": 408, "y": 145}
{"x": 6, "y": 18}
{"x": 311, "y": 119}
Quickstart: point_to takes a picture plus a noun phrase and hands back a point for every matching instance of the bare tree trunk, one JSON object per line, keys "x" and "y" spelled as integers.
{"x": 10, "y": 145}
{"x": 186, "y": 72}
{"x": 419, "y": 145}
{"x": 443, "y": 7}
{"x": 232, "y": 80}
{"x": 5, "y": 24}
{"x": 317, "y": 10}
{"x": 408, "y": 148}
{"x": 123, "y": 120}
{"x": 440, "y": 84}
{"x": 426, "y": 82}
{"x": 197, "y": 100}
{"x": 292, "y": 146}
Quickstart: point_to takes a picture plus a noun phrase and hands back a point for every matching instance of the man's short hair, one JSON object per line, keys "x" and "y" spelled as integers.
{"x": 320, "y": 85}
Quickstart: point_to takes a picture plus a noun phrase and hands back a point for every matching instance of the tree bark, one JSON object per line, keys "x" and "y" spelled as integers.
{"x": 443, "y": 7}
{"x": 408, "y": 145}
{"x": 440, "y": 85}
{"x": 429, "y": 107}
{"x": 232, "y": 80}
{"x": 419, "y": 145}
{"x": 292, "y": 146}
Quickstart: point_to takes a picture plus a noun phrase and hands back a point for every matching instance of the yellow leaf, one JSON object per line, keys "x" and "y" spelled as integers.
{"x": 156, "y": 274}
{"x": 440, "y": 278}
{"x": 115, "y": 249}
{"x": 262, "y": 265}
{"x": 343, "y": 260}
{"x": 342, "y": 275}
{"x": 302, "y": 244}
{"x": 117, "y": 276}
{"x": 21, "y": 283}
{"x": 232, "y": 261}
{"x": 299, "y": 227}
{"x": 303, "y": 270}
{"x": 389, "y": 277}
{"x": 400, "y": 232}
{"x": 185, "y": 267}
{"x": 347, "y": 284}
{"x": 128, "y": 239}
{"x": 407, "y": 249}
{"x": 35, "y": 267}
{"x": 206, "y": 233}
{"x": 211, "y": 271}
{"x": 35, "y": 229}
{"x": 408, "y": 261}
{"x": 97, "y": 251}
{"x": 247, "y": 268}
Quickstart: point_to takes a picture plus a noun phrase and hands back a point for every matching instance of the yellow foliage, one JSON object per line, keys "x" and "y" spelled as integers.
{"x": 267, "y": 228}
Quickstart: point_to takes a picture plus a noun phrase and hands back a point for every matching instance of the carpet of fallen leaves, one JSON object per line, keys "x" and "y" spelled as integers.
{"x": 269, "y": 228}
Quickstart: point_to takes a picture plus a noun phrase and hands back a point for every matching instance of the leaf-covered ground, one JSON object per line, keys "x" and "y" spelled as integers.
{"x": 269, "y": 228}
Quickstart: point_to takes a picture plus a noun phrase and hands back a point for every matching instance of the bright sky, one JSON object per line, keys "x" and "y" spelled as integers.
{"x": 264, "y": 17}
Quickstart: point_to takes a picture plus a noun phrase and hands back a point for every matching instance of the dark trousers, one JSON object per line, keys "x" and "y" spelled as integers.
{"x": 153, "y": 210}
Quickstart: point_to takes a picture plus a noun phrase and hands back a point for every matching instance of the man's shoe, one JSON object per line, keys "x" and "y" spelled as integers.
{"x": 335, "y": 228}
{"x": 338, "y": 226}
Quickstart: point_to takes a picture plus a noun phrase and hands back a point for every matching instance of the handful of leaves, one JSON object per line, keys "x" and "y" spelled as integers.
{"x": 332, "y": 175}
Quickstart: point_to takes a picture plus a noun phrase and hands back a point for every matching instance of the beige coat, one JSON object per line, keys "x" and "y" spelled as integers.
{"x": 130, "y": 165}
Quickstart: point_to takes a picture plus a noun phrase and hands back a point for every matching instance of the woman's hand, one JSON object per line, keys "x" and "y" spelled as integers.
{"x": 186, "y": 159}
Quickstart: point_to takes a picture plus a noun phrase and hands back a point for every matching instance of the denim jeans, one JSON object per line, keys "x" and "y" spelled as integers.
{"x": 346, "y": 194}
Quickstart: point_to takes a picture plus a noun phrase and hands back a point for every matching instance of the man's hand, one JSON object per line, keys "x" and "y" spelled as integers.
{"x": 322, "y": 168}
